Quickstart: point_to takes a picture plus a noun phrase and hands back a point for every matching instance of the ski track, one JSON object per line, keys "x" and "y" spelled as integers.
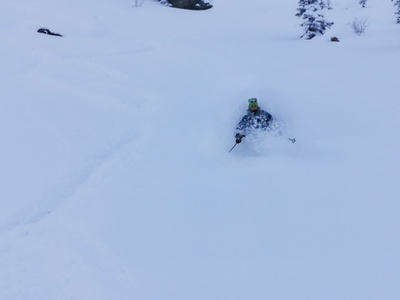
{"x": 56, "y": 195}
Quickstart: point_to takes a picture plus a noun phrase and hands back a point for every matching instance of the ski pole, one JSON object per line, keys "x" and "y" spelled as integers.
{"x": 233, "y": 147}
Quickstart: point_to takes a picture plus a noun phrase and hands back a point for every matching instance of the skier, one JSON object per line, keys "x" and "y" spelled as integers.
{"x": 256, "y": 118}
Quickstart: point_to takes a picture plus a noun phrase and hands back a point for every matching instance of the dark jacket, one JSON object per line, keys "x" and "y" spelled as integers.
{"x": 260, "y": 119}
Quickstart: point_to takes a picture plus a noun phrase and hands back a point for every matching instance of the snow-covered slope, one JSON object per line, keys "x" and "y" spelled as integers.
{"x": 115, "y": 176}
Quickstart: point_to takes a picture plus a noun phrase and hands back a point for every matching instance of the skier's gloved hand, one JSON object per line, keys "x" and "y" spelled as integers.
{"x": 239, "y": 138}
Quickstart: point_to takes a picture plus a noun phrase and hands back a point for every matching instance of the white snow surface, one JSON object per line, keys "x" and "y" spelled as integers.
{"x": 115, "y": 176}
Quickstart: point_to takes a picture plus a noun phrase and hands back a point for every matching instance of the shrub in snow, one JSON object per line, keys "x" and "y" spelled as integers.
{"x": 359, "y": 26}
{"x": 314, "y": 22}
{"x": 363, "y": 2}
{"x": 397, "y": 5}
{"x": 138, "y": 3}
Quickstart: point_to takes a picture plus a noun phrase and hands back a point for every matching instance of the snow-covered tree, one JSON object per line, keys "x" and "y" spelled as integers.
{"x": 314, "y": 22}
{"x": 328, "y": 4}
{"x": 397, "y": 5}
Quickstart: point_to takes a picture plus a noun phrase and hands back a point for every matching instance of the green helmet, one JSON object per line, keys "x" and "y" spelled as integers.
{"x": 253, "y": 102}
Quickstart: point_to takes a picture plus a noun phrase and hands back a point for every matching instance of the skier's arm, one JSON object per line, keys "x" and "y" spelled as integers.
{"x": 243, "y": 124}
{"x": 268, "y": 117}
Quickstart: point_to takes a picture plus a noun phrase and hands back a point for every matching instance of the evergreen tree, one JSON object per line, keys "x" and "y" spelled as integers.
{"x": 397, "y": 5}
{"x": 314, "y": 22}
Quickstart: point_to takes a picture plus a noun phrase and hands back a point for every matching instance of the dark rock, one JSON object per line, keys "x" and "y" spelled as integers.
{"x": 190, "y": 4}
{"x": 47, "y": 31}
